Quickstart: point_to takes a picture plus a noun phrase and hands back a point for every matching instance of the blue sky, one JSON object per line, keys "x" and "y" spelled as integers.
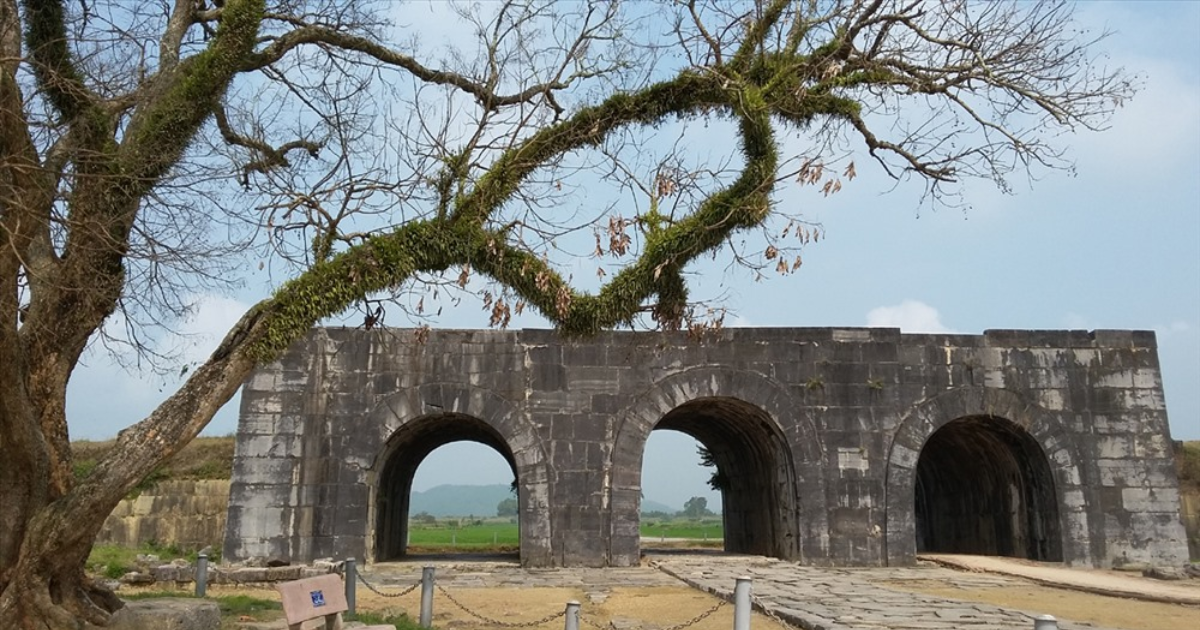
{"x": 1115, "y": 246}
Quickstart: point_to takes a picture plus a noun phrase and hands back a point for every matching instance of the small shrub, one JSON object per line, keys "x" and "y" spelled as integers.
{"x": 114, "y": 571}
{"x": 83, "y": 468}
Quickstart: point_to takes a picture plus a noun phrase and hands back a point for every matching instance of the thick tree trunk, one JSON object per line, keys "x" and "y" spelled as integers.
{"x": 46, "y": 588}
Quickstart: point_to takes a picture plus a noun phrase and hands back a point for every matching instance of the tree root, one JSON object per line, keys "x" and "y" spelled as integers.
{"x": 36, "y": 603}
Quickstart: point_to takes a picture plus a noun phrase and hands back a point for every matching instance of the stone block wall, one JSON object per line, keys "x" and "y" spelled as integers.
{"x": 824, "y": 434}
{"x": 189, "y": 514}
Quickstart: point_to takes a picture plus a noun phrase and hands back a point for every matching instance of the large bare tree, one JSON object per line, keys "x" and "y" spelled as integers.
{"x": 147, "y": 149}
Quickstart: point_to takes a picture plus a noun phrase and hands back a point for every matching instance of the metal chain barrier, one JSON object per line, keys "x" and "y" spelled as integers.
{"x": 679, "y": 626}
{"x": 595, "y": 625}
{"x": 698, "y": 618}
{"x": 371, "y": 587}
{"x": 764, "y": 609}
{"x": 497, "y": 622}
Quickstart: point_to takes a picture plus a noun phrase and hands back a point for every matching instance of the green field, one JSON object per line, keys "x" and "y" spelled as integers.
{"x": 704, "y": 529}
{"x": 476, "y": 535}
{"x": 504, "y": 535}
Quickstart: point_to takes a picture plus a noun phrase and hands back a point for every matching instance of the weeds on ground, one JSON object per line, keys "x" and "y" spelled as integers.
{"x": 113, "y": 561}
{"x": 234, "y": 608}
{"x": 401, "y": 621}
{"x": 238, "y": 606}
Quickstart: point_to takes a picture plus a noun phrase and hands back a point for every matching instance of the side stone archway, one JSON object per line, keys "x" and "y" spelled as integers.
{"x": 982, "y": 471}
{"x": 773, "y": 475}
{"x": 983, "y": 486}
{"x": 405, "y": 451}
{"x": 413, "y": 436}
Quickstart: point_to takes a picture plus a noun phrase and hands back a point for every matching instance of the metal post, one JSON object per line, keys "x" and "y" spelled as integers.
{"x": 1045, "y": 622}
{"x": 351, "y": 578}
{"x": 741, "y": 604}
{"x": 427, "y": 597}
{"x": 572, "y": 622}
{"x": 201, "y": 574}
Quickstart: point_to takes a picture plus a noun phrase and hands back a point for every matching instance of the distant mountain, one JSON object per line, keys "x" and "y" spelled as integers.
{"x": 655, "y": 506}
{"x": 480, "y": 501}
{"x": 450, "y": 500}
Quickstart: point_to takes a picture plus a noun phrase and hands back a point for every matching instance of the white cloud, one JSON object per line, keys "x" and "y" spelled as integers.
{"x": 212, "y": 317}
{"x": 1152, "y": 136}
{"x": 103, "y": 397}
{"x": 910, "y": 316}
{"x": 1177, "y": 327}
{"x": 1075, "y": 321}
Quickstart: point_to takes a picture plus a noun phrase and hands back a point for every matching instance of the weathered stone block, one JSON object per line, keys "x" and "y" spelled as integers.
{"x": 166, "y": 614}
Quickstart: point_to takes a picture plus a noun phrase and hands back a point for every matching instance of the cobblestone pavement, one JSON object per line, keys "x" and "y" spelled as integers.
{"x": 813, "y": 598}
{"x": 821, "y": 598}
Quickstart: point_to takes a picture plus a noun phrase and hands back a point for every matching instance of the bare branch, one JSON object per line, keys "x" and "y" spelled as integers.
{"x": 322, "y": 36}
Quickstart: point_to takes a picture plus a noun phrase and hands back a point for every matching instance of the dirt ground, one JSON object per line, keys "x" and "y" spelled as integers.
{"x": 667, "y": 606}
{"x": 630, "y": 608}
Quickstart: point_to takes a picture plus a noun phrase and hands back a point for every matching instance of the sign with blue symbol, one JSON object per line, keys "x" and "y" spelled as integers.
{"x": 318, "y": 598}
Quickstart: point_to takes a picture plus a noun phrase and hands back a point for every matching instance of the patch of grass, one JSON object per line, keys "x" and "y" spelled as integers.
{"x": 247, "y": 606}
{"x": 202, "y": 458}
{"x": 113, "y": 561}
{"x": 233, "y": 608}
{"x": 1187, "y": 461}
{"x": 400, "y": 621}
{"x": 710, "y": 529}
{"x": 487, "y": 535}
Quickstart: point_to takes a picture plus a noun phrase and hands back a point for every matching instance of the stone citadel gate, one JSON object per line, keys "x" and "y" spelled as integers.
{"x": 840, "y": 446}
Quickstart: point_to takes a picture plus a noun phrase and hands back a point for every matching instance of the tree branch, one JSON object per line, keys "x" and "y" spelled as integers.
{"x": 343, "y": 41}
{"x": 46, "y": 37}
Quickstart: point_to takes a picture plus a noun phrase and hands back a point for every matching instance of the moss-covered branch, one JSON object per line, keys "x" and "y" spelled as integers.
{"x": 53, "y": 67}
{"x": 656, "y": 272}
{"x": 163, "y": 127}
{"x": 685, "y": 93}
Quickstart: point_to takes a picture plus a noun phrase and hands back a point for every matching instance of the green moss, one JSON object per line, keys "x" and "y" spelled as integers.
{"x": 189, "y": 93}
{"x": 331, "y": 286}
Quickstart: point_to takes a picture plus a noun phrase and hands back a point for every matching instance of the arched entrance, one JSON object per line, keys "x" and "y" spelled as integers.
{"x": 984, "y": 486}
{"x": 754, "y": 467}
{"x": 403, "y": 454}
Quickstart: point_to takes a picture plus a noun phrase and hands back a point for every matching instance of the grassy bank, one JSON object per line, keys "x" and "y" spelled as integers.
{"x": 202, "y": 458}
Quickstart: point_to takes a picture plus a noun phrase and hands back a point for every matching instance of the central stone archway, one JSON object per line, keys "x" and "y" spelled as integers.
{"x": 755, "y": 469}
{"x": 774, "y": 498}
{"x": 418, "y": 420}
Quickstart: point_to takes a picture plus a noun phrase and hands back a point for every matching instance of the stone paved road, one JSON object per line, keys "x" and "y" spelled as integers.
{"x": 850, "y": 599}
{"x": 1087, "y": 580}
